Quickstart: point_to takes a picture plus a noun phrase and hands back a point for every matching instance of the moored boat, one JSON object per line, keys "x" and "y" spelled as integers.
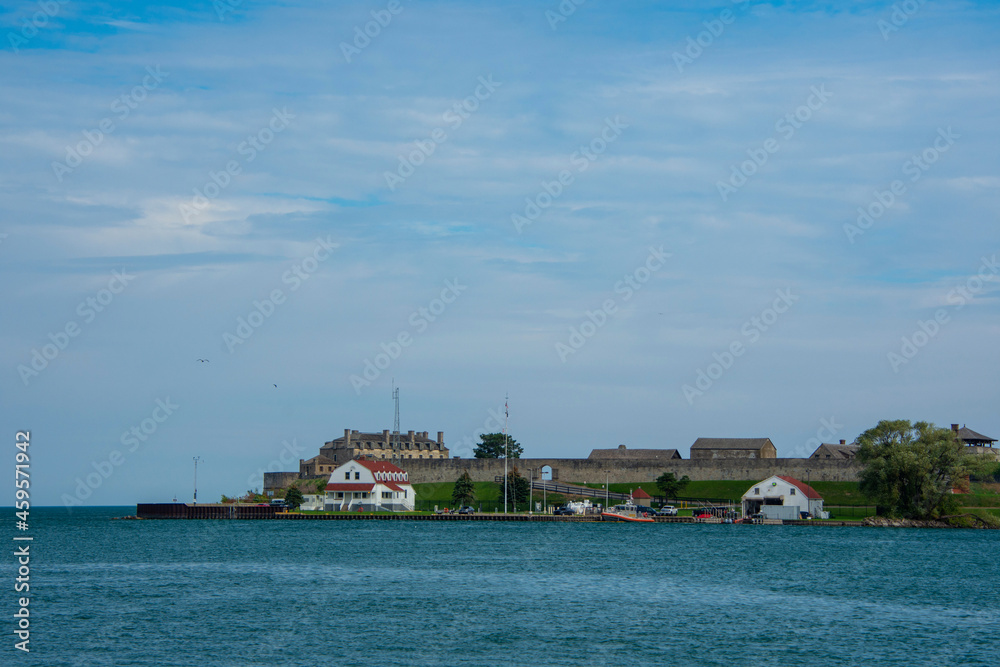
{"x": 628, "y": 512}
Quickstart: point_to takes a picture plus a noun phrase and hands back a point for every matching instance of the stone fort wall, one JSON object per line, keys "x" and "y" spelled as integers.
{"x": 587, "y": 470}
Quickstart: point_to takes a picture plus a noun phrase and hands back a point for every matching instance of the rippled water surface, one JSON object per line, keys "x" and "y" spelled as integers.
{"x": 484, "y": 593}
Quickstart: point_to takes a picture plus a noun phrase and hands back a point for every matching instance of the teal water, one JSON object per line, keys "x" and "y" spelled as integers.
{"x": 483, "y": 593}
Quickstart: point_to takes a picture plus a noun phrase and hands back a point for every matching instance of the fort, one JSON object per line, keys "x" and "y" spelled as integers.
{"x": 426, "y": 461}
{"x": 633, "y": 470}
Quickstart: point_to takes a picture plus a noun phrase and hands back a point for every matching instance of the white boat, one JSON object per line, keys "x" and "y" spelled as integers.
{"x": 628, "y": 512}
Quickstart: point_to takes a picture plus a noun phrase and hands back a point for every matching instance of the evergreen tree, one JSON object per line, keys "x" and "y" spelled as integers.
{"x": 465, "y": 490}
{"x": 517, "y": 487}
{"x": 293, "y": 498}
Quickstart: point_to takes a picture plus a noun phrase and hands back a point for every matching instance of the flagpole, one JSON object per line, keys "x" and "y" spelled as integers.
{"x": 506, "y": 414}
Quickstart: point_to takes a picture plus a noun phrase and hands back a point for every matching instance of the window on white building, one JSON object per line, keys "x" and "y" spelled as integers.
{"x": 792, "y": 492}
{"x": 357, "y": 475}
{"x": 756, "y": 491}
{"x": 387, "y": 494}
{"x": 347, "y": 475}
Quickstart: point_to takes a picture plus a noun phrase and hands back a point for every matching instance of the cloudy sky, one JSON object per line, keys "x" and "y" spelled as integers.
{"x": 646, "y": 222}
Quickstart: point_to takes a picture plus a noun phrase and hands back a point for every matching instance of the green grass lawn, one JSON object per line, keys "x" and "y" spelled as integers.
{"x": 440, "y": 492}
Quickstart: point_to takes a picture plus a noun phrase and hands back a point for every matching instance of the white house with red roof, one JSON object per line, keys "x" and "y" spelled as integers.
{"x": 369, "y": 486}
{"x": 782, "y": 497}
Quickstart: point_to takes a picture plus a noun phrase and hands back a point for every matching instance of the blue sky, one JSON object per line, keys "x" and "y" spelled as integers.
{"x": 713, "y": 157}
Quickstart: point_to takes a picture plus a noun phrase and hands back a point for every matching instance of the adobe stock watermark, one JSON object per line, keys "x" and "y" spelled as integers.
{"x": 249, "y": 148}
{"x": 915, "y": 167}
{"x": 47, "y": 9}
{"x": 785, "y": 127}
{"x": 957, "y": 298}
{"x": 294, "y": 277}
{"x": 363, "y": 36}
{"x": 454, "y": 117}
{"x": 595, "y": 320}
{"x": 419, "y": 321}
{"x": 563, "y": 11}
{"x": 713, "y": 30}
{"x": 901, "y": 14}
{"x": 131, "y": 441}
{"x": 751, "y": 331}
{"x": 122, "y": 106}
{"x": 223, "y": 7}
{"x": 828, "y": 429}
{"x": 290, "y": 453}
{"x": 88, "y": 310}
{"x": 581, "y": 159}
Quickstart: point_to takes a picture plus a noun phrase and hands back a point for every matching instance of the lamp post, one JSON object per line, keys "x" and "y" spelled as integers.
{"x": 531, "y": 484}
{"x": 196, "y": 460}
{"x": 607, "y": 489}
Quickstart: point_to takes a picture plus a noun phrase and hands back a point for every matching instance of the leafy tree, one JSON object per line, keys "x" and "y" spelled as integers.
{"x": 909, "y": 469}
{"x": 293, "y": 498}
{"x": 670, "y": 486}
{"x": 492, "y": 447}
{"x": 465, "y": 490}
{"x": 517, "y": 487}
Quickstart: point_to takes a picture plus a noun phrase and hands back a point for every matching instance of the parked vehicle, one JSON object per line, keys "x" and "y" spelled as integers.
{"x": 564, "y": 511}
{"x": 467, "y": 510}
{"x": 667, "y": 510}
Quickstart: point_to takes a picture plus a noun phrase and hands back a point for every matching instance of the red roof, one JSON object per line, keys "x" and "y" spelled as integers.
{"x": 806, "y": 490}
{"x": 350, "y": 486}
{"x": 639, "y": 493}
{"x": 380, "y": 466}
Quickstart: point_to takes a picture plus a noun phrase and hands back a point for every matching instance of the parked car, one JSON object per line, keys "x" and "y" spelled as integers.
{"x": 467, "y": 510}
{"x": 667, "y": 510}
{"x": 564, "y": 511}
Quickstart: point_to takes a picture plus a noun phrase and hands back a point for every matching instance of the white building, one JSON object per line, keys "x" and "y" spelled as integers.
{"x": 312, "y": 502}
{"x": 369, "y": 486}
{"x": 782, "y": 497}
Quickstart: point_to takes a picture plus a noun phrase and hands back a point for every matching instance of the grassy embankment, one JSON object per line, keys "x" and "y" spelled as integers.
{"x": 842, "y": 499}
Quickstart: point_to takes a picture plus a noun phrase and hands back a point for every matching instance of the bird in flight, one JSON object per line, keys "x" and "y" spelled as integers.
{"x": 203, "y": 360}
{"x": 275, "y": 386}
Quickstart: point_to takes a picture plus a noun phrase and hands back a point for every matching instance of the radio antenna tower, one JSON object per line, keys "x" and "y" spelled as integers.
{"x": 395, "y": 423}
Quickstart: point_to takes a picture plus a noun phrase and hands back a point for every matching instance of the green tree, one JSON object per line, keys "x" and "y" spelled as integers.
{"x": 464, "y": 492}
{"x": 492, "y": 447}
{"x": 293, "y": 498}
{"x": 517, "y": 487}
{"x": 909, "y": 469}
{"x": 670, "y": 486}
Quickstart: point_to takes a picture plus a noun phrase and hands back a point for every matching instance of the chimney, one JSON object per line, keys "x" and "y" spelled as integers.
{"x": 410, "y": 435}
{"x": 347, "y": 436}
{"x": 424, "y": 435}
{"x": 954, "y": 427}
{"x": 440, "y": 437}
{"x": 843, "y": 442}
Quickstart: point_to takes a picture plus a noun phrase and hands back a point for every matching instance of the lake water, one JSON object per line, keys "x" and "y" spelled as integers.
{"x": 486, "y": 593}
